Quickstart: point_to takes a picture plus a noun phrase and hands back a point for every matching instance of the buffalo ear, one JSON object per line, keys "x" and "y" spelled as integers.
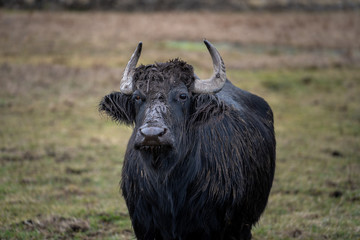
{"x": 119, "y": 107}
{"x": 206, "y": 107}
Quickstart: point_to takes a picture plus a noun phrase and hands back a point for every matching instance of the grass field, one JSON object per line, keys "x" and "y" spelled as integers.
{"x": 60, "y": 160}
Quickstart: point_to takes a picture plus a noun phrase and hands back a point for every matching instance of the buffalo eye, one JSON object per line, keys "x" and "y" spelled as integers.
{"x": 183, "y": 96}
{"x": 138, "y": 97}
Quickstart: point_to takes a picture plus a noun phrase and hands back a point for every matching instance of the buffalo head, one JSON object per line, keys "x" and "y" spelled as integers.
{"x": 160, "y": 99}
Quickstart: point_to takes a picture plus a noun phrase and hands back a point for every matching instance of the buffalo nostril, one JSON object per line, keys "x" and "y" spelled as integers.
{"x": 153, "y": 131}
{"x": 163, "y": 132}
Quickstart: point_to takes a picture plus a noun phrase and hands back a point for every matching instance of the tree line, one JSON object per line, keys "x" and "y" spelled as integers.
{"x": 164, "y": 5}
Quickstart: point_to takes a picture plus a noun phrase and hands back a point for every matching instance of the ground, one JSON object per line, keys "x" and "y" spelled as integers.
{"x": 61, "y": 160}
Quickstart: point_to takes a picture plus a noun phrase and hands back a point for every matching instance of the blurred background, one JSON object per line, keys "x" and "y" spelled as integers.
{"x": 158, "y": 5}
{"x": 60, "y": 160}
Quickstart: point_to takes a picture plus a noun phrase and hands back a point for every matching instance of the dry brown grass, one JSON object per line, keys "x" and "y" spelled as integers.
{"x": 329, "y": 30}
{"x": 291, "y": 39}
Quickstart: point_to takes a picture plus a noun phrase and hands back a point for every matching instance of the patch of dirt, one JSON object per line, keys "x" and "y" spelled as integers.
{"x": 334, "y": 153}
{"x": 330, "y": 183}
{"x": 27, "y": 181}
{"x": 64, "y": 157}
{"x": 56, "y": 225}
{"x": 355, "y": 199}
{"x": 75, "y": 171}
{"x": 16, "y": 155}
{"x": 295, "y": 233}
{"x": 51, "y": 227}
{"x": 336, "y": 194}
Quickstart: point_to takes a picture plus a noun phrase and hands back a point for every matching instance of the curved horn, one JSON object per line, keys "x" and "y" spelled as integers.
{"x": 217, "y": 80}
{"x": 126, "y": 83}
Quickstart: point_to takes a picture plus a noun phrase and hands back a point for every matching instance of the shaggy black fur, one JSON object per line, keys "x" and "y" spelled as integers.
{"x": 213, "y": 182}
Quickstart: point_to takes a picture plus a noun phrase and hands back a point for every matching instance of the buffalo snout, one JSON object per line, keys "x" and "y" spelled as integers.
{"x": 153, "y": 136}
{"x": 153, "y": 133}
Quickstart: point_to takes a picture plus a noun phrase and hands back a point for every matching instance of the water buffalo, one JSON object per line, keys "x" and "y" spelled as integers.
{"x": 200, "y": 162}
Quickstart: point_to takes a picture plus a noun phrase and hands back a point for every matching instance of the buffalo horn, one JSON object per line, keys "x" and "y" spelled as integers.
{"x": 217, "y": 80}
{"x": 126, "y": 84}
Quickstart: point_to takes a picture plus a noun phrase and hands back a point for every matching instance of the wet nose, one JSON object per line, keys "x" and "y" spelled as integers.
{"x": 153, "y": 136}
{"x": 153, "y": 132}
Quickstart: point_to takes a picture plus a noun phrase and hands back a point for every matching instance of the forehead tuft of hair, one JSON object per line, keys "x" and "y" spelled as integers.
{"x": 147, "y": 77}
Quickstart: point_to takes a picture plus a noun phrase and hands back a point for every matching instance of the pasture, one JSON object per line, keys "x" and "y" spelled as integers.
{"x": 60, "y": 160}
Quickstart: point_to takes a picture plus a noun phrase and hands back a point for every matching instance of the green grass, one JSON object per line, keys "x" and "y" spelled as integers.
{"x": 316, "y": 189}
{"x": 61, "y": 160}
